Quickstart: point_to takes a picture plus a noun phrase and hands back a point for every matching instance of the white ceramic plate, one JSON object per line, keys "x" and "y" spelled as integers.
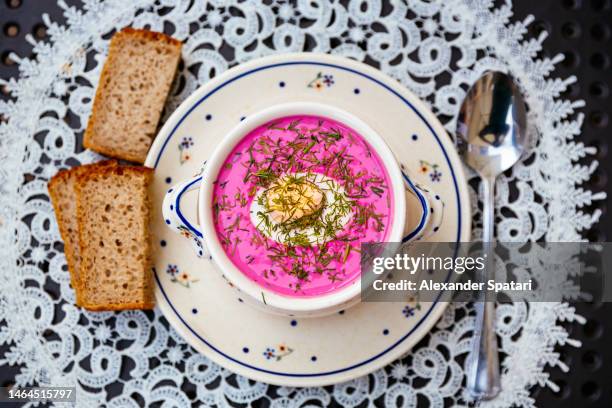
{"x": 199, "y": 303}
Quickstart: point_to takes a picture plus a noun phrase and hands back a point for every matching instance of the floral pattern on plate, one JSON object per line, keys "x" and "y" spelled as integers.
{"x": 321, "y": 81}
{"x": 278, "y": 353}
{"x": 184, "y": 149}
{"x": 182, "y": 278}
{"x": 432, "y": 169}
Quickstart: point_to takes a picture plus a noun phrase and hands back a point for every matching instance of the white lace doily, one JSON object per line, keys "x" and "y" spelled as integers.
{"x": 435, "y": 48}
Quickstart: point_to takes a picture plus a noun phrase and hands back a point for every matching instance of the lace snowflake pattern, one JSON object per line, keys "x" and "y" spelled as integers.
{"x": 435, "y": 48}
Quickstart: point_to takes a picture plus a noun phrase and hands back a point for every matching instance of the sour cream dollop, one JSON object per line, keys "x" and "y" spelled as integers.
{"x": 309, "y": 207}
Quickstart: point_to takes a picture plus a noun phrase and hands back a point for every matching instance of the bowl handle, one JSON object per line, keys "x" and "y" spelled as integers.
{"x": 432, "y": 210}
{"x": 176, "y": 220}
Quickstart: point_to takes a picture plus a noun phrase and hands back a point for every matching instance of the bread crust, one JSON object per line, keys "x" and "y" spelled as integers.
{"x": 148, "y": 35}
{"x": 119, "y": 307}
{"x": 61, "y": 178}
{"x": 89, "y": 137}
{"x": 148, "y": 301}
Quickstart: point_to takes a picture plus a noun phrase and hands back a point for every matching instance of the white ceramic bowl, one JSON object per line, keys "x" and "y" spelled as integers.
{"x": 205, "y": 237}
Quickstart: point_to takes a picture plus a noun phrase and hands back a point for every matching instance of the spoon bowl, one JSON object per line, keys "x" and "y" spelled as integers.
{"x": 492, "y": 122}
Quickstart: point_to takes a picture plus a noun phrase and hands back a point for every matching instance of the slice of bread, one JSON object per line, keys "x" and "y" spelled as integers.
{"x": 113, "y": 212}
{"x": 133, "y": 87}
{"x": 63, "y": 197}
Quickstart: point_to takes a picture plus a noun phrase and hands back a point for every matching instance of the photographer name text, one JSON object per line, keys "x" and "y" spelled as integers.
{"x": 428, "y": 284}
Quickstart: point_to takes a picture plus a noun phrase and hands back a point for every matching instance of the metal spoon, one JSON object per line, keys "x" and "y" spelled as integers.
{"x": 492, "y": 123}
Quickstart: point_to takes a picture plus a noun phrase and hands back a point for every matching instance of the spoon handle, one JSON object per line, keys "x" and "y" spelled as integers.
{"x": 488, "y": 212}
{"x": 482, "y": 372}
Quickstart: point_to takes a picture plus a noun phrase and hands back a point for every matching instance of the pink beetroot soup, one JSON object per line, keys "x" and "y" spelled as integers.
{"x": 294, "y": 201}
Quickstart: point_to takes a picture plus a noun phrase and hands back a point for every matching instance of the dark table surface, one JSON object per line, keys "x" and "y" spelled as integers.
{"x": 581, "y": 30}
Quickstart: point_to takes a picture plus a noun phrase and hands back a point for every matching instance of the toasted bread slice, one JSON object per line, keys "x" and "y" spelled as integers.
{"x": 113, "y": 212}
{"x": 63, "y": 197}
{"x": 133, "y": 87}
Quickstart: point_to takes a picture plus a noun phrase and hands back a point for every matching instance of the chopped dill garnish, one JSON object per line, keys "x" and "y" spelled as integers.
{"x": 315, "y": 199}
{"x": 378, "y": 191}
